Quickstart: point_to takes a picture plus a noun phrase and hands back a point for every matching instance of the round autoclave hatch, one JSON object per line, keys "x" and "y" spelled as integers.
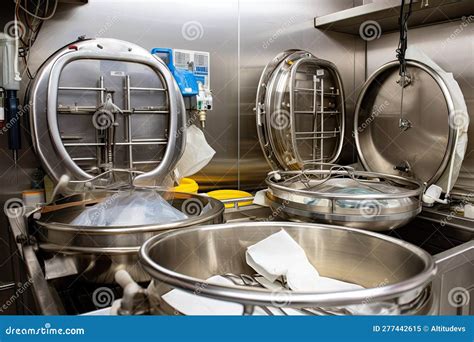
{"x": 99, "y": 105}
{"x": 417, "y": 142}
{"x": 300, "y": 121}
{"x": 300, "y": 111}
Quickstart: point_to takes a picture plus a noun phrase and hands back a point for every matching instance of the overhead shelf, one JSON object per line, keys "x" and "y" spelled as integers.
{"x": 426, "y": 12}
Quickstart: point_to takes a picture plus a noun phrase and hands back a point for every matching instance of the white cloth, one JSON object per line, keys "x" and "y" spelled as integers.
{"x": 279, "y": 255}
{"x": 197, "y": 154}
{"x": 461, "y": 115}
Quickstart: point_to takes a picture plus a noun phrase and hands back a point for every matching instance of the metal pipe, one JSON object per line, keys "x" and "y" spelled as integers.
{"x": 158, "y": 142}
{"x": 318, "y": 112}
{"x": 145, "y": 88}
{"x": 317, "y": 132}
{"x": 7, "y": 286}
{"x": 322, "y": 116}
{"x": 147, "y": 140}
{"x": 144, "y": 162}
{"x": 318, "y": 138}
{"x": 318, "y": 91}
{"x": 84, "y": 159}
{"x": 128, "y": 121}
{"x": 86, "y": 110}
{"x": 314, "y": 113}
{"x": 101, "y": 89}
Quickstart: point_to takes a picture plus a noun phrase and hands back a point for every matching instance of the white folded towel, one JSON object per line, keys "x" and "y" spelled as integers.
{"x": 279, "y": 255}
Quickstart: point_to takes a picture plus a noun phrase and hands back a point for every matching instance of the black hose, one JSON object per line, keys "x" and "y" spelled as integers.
{"x": 403, "y": 42}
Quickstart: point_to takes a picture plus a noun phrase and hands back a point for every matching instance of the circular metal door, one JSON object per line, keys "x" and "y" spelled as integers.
{"x": 300, "y": 111}
{"x": 103, "y": 105}
{"x": 416, "y": 141}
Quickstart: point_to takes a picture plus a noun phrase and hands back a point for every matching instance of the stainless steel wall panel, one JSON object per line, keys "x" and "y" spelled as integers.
{"x": 204, "y": 25}
{"x": 266, "y": 27}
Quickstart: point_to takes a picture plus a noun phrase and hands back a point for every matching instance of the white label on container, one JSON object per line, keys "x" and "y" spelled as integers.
{"x": 117, "y": 73}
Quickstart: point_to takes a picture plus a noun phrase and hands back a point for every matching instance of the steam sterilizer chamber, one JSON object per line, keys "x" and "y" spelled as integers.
{"x": 107, "y": 119}
{"x": 408, "y": 138}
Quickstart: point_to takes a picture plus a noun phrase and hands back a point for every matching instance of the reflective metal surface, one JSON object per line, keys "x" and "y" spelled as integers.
{"x": 342, "y": 196}
{"x": 260, "y": 108}
{"x": 144, "y": 132}
{"x": 451, "y": 52}
{"x": 421, "y": 148}
{"x": 102, "y": 250}
{"x": 396, "y": 275}
{"x": 455, "y": 280}
{"x": 300, "y": 111}
{"x": 288, "y": 25}
{"x": 44, "y": 297}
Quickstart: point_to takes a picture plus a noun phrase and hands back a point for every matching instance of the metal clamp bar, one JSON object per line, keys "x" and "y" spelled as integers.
{"x": 128, "y": 120}
{"x": 145, "y": 88}
{"x": 317, "y": 132}
{"x": 82, "y": 88}
{"x": 145, "y": 162}
{"x": 156, "y": 142}
{"x": 7, "y": 286}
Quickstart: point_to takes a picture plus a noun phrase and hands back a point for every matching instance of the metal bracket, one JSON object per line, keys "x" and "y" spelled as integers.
{"x": 405, "y": 79}
{"x": 404, "y": 124}
{"x": 403, "y": 167}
